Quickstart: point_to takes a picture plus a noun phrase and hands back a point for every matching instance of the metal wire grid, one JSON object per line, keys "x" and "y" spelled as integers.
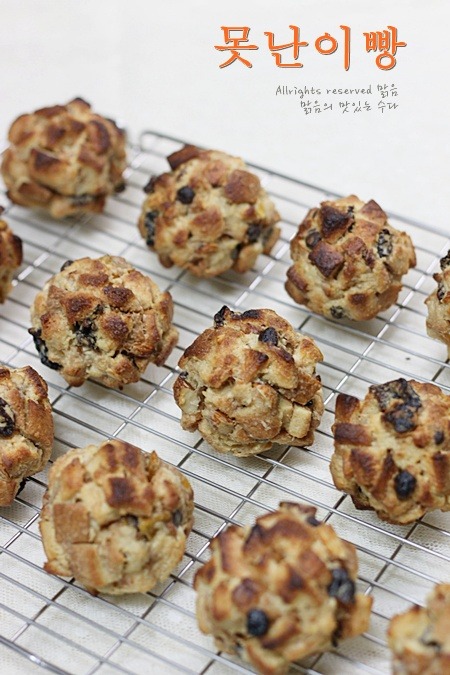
{"x": 54, "y": 624}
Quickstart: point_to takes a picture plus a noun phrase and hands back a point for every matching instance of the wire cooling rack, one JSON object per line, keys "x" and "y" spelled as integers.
{"x": 47, "y": 623}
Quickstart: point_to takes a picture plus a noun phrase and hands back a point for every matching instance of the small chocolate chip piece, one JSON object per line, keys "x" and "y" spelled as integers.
{"x": 257, "y": 622}
{"x": 7, "y": 419}
{"x": 120, "y": 187}
{"x": 337, "y": 312}
{"x": 81, "y": 200}
{"x": 23, "y": 482}
{"x": 342, "y": 587}
{"x": 253, "y": 233}
{"x": 397, "y": 390}
{"x": 384, "y": 243}
{"x": 385, "y": 393}
{"x": 445, "y": 261}
{"x": 441, "y": 292}
{"x": 439, "y": 437}
{"x": 335, "y": 637}
{"x": 185, "y": 195}
{"x": 312, "y": 520}
{"x": 84, "y": 332}
{"x": 433, "y": 644}
{"x": 41, "y": 348}
{"x": 402, "y": 418}
{"x": 66, "y": 264}
{"x": 150, "y": 186}
{"x": 234, "y": 255}
{"x": 183, "y": 374}
{"x": 269, "y": 336}
{"x": 177, "y": 518}
{"x": 312, "y": 238}
{"x": 149, "y": 222}
{"x": 405, "y": 484}
{"x": 219, "y": 317}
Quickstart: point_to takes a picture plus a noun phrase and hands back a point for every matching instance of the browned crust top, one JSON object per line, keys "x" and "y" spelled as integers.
{"x": 348, "y": 260}
{"x": 102, "y": 319}
{"x": 115, "y": 517}
{"x": 282, "y": 572}
{"x": 209, "y": 214}
{"x": 392, "y": 449}
{"x": 26, "y": 428}
{"x": 64, "y": 158}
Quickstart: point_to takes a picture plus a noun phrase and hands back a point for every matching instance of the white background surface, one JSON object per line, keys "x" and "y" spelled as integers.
{"x": 153, "y": 65}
